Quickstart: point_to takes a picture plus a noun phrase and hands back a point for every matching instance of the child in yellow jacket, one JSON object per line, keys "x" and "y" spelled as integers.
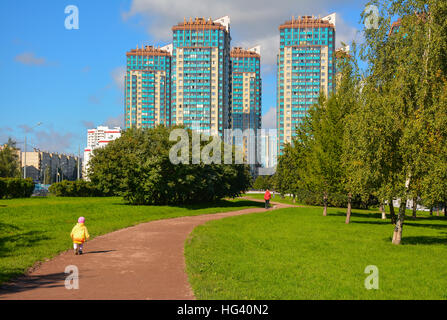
{"x": 79, "y": 234}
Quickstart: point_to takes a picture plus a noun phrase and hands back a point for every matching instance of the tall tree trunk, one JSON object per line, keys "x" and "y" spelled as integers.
{"x": 325, "y": 204}
{"x": 397, "y": 236}
{"x": 393, "y": 215}
{"x": 431, "y": 210}
{"x": 348, "y": 212}
{"x": 445, "y": 209}
{"x": 437, "y": 211}
{"x": 414, "y": 207}
{"x": 294, "y": 201}
{"x": 382, "y": 210}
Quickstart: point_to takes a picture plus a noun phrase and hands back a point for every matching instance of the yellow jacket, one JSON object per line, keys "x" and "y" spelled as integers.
{"x": 79, "y": 233}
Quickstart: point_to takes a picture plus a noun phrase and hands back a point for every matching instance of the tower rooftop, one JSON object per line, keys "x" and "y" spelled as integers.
{"x": 243, "y": 53}
{"x": 148, "y": 51}
{"x": 308, "y": 22}
{"x": 202, "y": 23}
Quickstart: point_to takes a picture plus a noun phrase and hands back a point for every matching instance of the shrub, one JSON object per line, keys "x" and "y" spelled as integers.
{"x": 16, "y": 188}
{"x": 2, "y": 188}
{"x": 79, "y": 188}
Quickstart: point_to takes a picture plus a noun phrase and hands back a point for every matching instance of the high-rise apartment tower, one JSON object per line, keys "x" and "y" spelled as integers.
{"x": 147, "y": 87}
{"x": 200, "y": 96}
{"x": 306, "y": 67}
{"x": 246, "y": 89}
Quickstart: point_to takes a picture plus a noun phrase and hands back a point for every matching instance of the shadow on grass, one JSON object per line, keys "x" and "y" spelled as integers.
{"x": 440, "y": 218}
{"x": 7, "y": 228}
{"x": 372, "y": 215}
{"x": 205, "y": 205}
{"x": 425, "y": 225}
{"x": 414, "y": 240}
{"x": 223, "y": 204}
{"x": 406, "y": 223}
{"x": 26, "y": 283}
{"x": 20, "y": 240}
{"x": 381, "y": 222}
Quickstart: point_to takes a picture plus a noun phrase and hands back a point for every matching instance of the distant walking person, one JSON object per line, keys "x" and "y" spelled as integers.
{"x": 267, "y": 196}
{"x": 79, "y": 234}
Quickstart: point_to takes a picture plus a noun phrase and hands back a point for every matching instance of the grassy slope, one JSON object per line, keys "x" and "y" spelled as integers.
{"x": 297, "y": 253}
{"x": 35, "y": 229}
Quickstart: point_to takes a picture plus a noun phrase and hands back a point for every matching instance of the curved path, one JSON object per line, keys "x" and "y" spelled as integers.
{"x": 145, "y": 261}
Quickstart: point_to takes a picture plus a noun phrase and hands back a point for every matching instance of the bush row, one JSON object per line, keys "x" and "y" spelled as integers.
{"x": 16, "y": 188}
{"x": 79, "y": 188}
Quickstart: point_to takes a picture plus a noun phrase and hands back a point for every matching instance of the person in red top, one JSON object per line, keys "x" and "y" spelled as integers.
{"x": 267, "y": 196}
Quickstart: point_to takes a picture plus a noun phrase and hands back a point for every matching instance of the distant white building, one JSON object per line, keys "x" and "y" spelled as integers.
{"x": 98, "y": 138}
{"x": 267, "y": 146}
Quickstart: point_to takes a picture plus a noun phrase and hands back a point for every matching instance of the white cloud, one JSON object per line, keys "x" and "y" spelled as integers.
{"x": 5, "y": 133}
{"x": 118, "y": 77}
{"x": 53, "y": 141}
{"x": 269, "y": 119}
{"x": 29, "y": 58}
{"x": 117, "y": 121}
{"x": 88, "y": 124}
{"x": 86, "y": 69}
{"x": 25, "y": 128}
{"x": 253, "y": 22}
{"x": 346, "y": 33}
{"x": 95, "y": 99}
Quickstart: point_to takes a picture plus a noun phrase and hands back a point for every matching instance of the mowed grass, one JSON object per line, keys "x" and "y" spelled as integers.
{"x": 37, "y": 229}
{"x": 296, "y": 253}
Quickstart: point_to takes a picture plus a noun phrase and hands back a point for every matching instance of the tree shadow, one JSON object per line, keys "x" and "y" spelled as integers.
{"x": 426, "y": 225}
{"x": 440, "y": 218}
{"x": 6, "y": 228}
{"x": 26, "y": 283}
{"x": 19, "y": 239}
{"x": 381, "y": 222}
{"x": 222, "y": 204}
{"x": 205, "y": 205}
{"x": 370, "y": 215}
{"x": 414, "y": 240}
{"x": 406, "y": 223}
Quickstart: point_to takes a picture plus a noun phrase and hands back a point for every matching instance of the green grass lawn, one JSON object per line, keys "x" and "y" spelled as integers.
{"x": 36, "y": 229}
{"x": 296, "y": 253}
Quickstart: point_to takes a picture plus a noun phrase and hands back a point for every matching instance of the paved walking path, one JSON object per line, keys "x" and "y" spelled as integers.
{"x": 141, "y": 262}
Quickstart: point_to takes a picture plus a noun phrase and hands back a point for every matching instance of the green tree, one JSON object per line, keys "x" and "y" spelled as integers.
{"x": 137, "y": 166}
{"x": 9, "y": 160}
{"x": 289, "y": 177}
{"x": 326, "y": 125}
{"x": 404, "y": 85}
{"x": 263, "y": 183}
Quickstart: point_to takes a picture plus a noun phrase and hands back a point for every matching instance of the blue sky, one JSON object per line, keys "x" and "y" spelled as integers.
{"x": 71, "y": 80}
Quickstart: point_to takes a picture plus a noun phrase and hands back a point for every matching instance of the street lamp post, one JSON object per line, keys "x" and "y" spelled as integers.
{"x": 24, "y": 165}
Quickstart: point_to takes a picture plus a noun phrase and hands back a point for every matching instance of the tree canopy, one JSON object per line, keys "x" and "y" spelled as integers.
{"x": 383, "y": 133}
{"x": 138, "y": 167}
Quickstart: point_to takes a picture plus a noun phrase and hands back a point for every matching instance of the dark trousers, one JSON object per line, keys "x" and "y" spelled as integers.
{"x": 267, "y": 204}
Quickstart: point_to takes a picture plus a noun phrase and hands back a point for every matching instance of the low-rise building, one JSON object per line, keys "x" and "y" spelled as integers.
{"x": 49, "y": 167}
{"x": 98, "y": 138}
